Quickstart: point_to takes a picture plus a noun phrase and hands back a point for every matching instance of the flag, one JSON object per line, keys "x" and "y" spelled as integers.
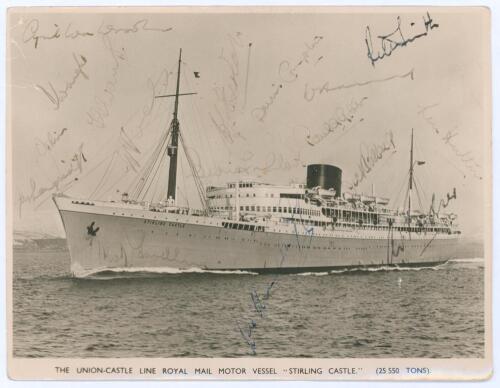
{"x": 420, "y": 162}
{"x": 196, "y": 74}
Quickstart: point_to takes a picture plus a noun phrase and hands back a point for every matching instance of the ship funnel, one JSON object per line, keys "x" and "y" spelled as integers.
{"x": 325, "y": 176}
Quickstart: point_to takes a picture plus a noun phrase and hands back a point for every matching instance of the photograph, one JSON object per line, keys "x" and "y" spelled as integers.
{"x": 249, "y": 192}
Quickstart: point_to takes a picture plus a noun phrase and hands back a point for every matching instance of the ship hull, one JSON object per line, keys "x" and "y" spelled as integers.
{"x": 101, "y": 238}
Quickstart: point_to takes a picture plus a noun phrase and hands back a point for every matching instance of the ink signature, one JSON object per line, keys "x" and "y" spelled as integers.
{"x": 389, "y": 43}
{"x": 75, "y": 166}
{"x": 311, "y": 92}
{"x": 465, "y": 157}
{"x": 443, "y": 203}
{"x": 229, "y": 94}
{"x": 271, "y": 162}
{"x": 369, "y": 157}
{"x": 339, "y": 122}
{"x": 400, "y": 246}
{"x": 259, "y": 305}
{"x": 140, "y": 25}
{"x": 59, "y": 96}
{"x": 31, "y": 33}
{"x": 51, "y": 139}
{"x": 127, "y": 151}
{"x": 287, "y": 73}
{"x": 429, "y": 243}
{"x": 100, "y": 111}
{"x": 155, "y": 88}
{"x": 260, "y": 113}
{"x": 247, "y": 336}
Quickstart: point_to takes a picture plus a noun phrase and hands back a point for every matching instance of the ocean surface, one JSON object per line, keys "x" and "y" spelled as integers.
{"x": 427, "y": 312}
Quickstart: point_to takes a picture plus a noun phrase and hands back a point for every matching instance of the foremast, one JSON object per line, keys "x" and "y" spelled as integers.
{"x": 173, "y": 145}
{"x": 174, "y": 141}
{"x": 410, "y": 184}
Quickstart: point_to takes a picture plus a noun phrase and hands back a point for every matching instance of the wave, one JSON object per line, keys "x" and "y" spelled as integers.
{"x": 456, "y": 262}
{"x": 371, "y": 269}
{"x": 313, "y": 273}
{"x": 119, "y": 272}
{"x": 101, "y": 273}
{"x": 470, "y": 260}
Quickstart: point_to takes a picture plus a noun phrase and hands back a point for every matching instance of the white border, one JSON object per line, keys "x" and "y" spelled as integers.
{"x": 495, "y": 47}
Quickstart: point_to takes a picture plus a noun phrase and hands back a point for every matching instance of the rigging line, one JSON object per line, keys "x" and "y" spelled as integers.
{"x": 207, "y": 140}
{"x": 197, "y": 121}
{"x": 247, "y": 76}
{"x": 403, "y": 183}
{"x": 426, "y": 179}
{"x": 102, "y": 180}
{"x": 145, "y": 194}
{"x": 440, "y": 153}
{"x": 418, "y": 195}
{"x": 90, "y": 171}
{"x": 423, "y": 157}
{"x": 155, "y": 180}
{"x": 128, "y": 142}
{"x": 184, "y": 192}
{"x": 191, "y": 122}
{"x": 184, "y": 182}
{"x": 406, "y": 200}
{"x": 136, "y": 183}
{"x": 422, "y": 191}
{"x": 144, "y": 175}
{"x": 190, "y": 161}
{"x": 155, "y": 184}
{"x": 397, "y": 198}
{"x": 150, "y": 164}
{"x": 153, "y": 171}
{"x": 199, "y": 185}
{"x": 113, "y": 185}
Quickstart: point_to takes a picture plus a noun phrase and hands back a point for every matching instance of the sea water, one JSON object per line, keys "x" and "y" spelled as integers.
{"x": 387, "y": 312}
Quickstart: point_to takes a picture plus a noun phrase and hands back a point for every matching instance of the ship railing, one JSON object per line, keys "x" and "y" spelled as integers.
{"x": 176, "y": 210}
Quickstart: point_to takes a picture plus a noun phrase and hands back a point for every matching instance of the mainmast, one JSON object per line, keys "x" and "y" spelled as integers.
{"x": 410, "y": 187}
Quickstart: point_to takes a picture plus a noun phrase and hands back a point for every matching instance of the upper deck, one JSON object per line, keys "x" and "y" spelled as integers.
{"x": 249, "y": 200}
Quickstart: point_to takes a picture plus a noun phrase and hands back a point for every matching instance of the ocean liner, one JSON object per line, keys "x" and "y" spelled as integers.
{"x": 251, "y": 226}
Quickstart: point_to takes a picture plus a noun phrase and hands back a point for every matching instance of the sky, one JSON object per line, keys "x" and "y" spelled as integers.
{"x": 275, "y": 92}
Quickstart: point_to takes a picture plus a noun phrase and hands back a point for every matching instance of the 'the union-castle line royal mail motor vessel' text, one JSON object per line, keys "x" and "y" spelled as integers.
{"x": 251, "y": 226}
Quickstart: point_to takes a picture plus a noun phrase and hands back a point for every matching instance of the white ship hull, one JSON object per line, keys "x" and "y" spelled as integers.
{"x": 102, "y": 237}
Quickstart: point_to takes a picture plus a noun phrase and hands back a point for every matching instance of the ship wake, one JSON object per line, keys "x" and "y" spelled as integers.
{"x": 478, "y": 261}
{"x": 372, "y": 269}
{"x": 124, "y": 272}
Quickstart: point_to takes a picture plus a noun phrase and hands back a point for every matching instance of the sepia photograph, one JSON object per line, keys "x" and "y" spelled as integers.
{"x": 249, "y": 193}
